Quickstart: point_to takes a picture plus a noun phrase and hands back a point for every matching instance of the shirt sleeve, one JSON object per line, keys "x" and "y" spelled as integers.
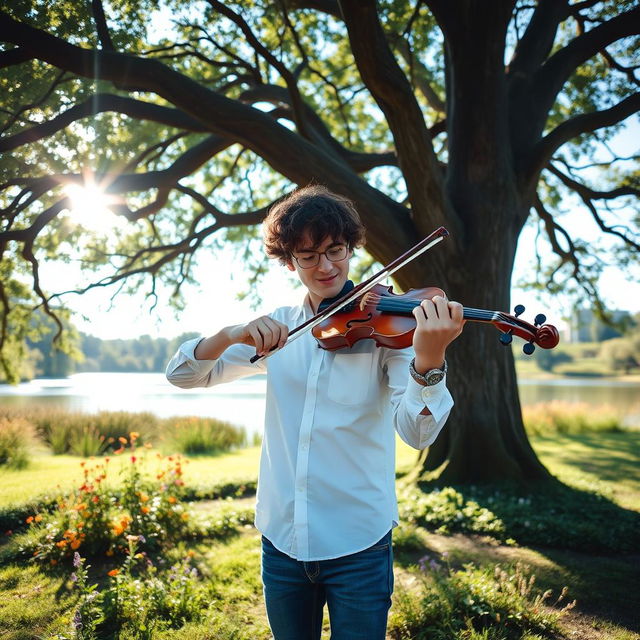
{"x": 408, "y": 399}
{"x": 186, "y": 372}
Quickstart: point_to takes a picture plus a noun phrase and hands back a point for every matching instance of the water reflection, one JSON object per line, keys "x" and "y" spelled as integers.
{"x": 242, "y": 402}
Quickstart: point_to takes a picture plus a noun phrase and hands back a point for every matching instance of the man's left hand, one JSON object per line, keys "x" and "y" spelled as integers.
{"x": 438, "y": 323}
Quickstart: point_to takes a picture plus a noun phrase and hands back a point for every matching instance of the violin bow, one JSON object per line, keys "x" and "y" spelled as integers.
{"x": 422, "y": 247}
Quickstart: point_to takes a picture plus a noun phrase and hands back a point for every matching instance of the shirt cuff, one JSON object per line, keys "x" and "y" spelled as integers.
{"x": 186, "y": 355}
{"x": 436, "y": 398}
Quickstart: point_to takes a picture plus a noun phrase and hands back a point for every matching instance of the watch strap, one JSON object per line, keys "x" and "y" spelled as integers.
{"x": 430, "y": 377}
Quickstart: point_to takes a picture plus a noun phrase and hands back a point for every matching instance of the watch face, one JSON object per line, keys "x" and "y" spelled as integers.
{"x": 434, "y": 376}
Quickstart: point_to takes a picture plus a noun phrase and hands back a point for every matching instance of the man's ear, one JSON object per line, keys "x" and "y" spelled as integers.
{"x": 290, "y": 266}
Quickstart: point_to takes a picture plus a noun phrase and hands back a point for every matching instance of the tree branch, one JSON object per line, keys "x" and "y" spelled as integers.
{"x": 13, "y": 56}
{"x": 101, "y": 25}
{"x": 389, "y": 87}
{"x": 538, "y": 39}
{"x": 544, "y": 150}
{"x": 317, "y": 130}
{"x": 286, "y": 75}
{"x": 303, "y": 163}
{"x": 551, "y": 77}
{"x": 570, "y": 256}
{"x": 587, "y": 195}
{"x": 101, "y": 103}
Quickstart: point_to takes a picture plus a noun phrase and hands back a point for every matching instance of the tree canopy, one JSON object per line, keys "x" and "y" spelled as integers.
{"x": 194, "y": 117}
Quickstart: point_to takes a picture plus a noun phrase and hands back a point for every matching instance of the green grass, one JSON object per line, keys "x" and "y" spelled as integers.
{"x": 49, "y": 474}
{"x": 608, "y": 463}
{"x": 35, "y": 603}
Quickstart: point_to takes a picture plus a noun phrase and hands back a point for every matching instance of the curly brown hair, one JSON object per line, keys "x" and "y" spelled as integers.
{"x": 313, "y": 209}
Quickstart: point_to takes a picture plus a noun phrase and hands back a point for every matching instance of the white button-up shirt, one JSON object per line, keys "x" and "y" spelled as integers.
{"x": 326, "y": 486}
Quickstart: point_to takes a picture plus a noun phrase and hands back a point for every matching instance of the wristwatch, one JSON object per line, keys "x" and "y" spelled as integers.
{"x": 431, "y": 377}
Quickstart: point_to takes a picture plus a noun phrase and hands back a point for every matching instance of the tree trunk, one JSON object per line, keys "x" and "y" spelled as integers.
{"x": 484, "y": 439}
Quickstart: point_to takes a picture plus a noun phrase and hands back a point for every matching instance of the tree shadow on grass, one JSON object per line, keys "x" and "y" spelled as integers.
{"x": 593, "y": 542}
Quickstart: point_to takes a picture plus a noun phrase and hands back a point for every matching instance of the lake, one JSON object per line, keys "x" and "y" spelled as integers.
{"x": 242, "y": 402}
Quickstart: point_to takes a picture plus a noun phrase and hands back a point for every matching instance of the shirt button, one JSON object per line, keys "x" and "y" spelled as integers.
{"x": 305, "y": 446}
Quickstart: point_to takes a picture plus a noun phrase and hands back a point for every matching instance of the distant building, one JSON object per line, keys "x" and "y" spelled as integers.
{"x": 586, "y": 326}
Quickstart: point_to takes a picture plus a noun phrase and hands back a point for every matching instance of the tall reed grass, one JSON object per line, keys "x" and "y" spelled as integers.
{"x": 558, "y": 417}
{"x": 16, "y": 439}
{"x": 86, "y": 434}
{"x": 194, "y": 435}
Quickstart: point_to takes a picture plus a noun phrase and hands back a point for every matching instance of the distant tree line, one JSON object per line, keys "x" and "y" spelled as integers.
{"x": 137, "y": 355}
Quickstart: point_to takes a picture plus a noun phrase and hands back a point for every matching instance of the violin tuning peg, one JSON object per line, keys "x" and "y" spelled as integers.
{"x": 506, "y": 338}
{"x": 519, "y": 310}
{"x": 529, "y": 348}
{"x": 539, "y": 319}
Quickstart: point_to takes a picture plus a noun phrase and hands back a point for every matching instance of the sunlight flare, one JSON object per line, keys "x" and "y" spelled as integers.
{"x": 90, "y": 207}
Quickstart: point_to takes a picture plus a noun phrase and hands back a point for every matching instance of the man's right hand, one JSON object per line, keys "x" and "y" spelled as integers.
{"x": 263, "y": 333}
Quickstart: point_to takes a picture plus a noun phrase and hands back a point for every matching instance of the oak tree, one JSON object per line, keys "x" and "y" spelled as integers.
{"x": 193, "y": 117}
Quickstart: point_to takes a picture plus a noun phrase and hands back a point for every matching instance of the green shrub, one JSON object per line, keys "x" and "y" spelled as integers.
{"x": 195, "y": 435}
{"x": 553, "y": 515}
{"x": 16, "y": 439}
{"x": 446, "y": 511}
{"x": 570, "y": 418}
{"x": 491, "y": 604}
{"x": 87, "y": 442}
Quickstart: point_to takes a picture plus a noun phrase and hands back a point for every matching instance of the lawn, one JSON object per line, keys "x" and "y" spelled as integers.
{"x": 228, "y": 591}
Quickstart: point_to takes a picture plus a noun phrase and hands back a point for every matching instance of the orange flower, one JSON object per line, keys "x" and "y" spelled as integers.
{"x": 134, "y": 435}
{"x": 113, "y": 572}
{"x": 75, "y": 544}
{"x": 29, "y": 520}
{"x": 54, "y": 562}
{"x": 38, "y": 517}
{"x": 185, "y": 516}
{"x": 145, "y": 509}
{"x": 144, "y": 497}
{"x": 122, "y": 440}
{"x": 108, "y": 552}
{"x": 172, "y": 500}
{"x": 61, "y": 544}
{"x": 95, "y": 499}
{"x": 119, "y": 451}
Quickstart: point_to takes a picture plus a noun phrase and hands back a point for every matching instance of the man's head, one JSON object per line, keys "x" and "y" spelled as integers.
{"x": 314, "y": 231}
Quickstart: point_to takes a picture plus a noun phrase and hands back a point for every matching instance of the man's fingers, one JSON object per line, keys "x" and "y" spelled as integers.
{"x": 266, "y": 334}
{"x": 456, "y": 311}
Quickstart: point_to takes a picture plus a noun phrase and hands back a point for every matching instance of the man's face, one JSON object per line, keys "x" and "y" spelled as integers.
{"x": 326, "y": 279}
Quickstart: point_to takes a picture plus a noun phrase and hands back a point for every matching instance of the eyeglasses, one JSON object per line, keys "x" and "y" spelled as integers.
{"x": 310, "y": 259}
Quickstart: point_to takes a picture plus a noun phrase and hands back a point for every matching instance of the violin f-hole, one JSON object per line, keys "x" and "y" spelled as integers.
{"x": 359, "y": 320}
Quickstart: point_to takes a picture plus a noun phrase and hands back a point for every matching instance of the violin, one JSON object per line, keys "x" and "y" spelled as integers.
{"x": 387, "y": 318}
{"x": 371, "y": 310}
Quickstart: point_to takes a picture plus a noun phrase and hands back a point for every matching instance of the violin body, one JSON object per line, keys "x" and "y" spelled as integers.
{"x": 364, "y": 320}
{"x": 388, "y": 319}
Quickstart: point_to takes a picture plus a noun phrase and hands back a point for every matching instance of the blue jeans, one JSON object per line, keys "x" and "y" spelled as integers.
{"x": 356, "y": 588}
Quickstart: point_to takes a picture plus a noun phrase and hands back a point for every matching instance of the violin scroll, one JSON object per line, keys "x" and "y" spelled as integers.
{"x": 545, "y": 336}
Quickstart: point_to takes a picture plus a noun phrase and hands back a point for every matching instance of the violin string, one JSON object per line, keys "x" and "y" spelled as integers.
{"x": 406, "y": 306}
{"x": 386, "y": 303}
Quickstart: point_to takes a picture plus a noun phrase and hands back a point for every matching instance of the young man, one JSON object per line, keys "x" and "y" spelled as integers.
{"x": 326, "y": 495}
